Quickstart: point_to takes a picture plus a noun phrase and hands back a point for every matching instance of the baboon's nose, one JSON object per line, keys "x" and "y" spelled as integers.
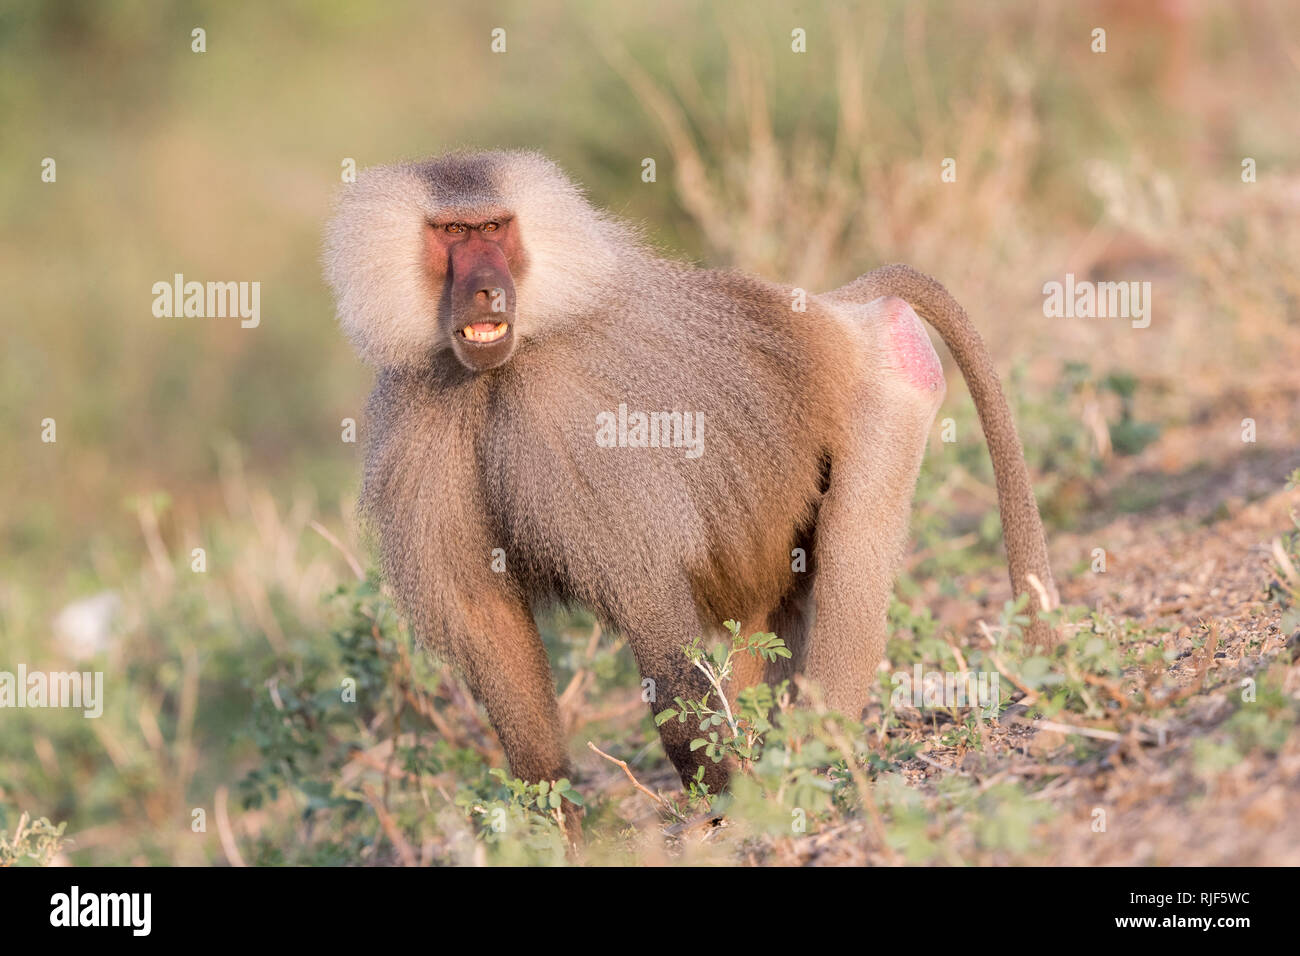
{"x": 488, "y": 300}
{"x": 481, "y": 283}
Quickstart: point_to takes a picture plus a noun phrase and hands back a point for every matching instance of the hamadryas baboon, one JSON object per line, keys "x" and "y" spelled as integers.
{"x": 510, "y": 321}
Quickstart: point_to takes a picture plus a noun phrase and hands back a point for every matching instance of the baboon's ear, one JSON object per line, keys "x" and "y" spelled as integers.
{"x": 373, "y": 262}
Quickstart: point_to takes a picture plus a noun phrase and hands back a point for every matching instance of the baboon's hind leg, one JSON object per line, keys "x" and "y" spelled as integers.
{"x": 657, "y": 628}
{"x": 863, "y": 520}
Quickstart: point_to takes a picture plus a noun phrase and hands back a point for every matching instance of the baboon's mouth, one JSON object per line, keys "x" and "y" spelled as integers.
{"x": 485, "y": 332}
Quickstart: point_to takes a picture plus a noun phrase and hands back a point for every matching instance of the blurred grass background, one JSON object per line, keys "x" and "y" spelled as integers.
{"x": 812, "y": 168}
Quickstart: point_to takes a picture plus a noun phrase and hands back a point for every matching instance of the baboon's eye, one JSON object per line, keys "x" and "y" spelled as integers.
{"x": 490, "y": 227}
{"x": 455, "y": 228}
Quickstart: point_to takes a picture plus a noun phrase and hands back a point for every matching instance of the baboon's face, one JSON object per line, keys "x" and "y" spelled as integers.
{"x": 425, "y": 257}
{"x": 474, "y": 260}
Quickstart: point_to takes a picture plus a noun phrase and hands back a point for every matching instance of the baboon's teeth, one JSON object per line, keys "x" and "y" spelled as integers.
{"x": 485, "y": 331}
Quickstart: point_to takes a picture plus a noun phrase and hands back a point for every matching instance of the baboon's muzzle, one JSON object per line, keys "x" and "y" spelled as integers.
{"x": 482, "y": 304}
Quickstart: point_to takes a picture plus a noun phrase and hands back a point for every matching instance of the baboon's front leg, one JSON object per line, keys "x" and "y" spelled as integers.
{"x": 863, "y": 520}
{"x": 505, "y": 665}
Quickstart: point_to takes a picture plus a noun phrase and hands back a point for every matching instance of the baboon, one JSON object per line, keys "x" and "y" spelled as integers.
{"x": 510, "y": 322}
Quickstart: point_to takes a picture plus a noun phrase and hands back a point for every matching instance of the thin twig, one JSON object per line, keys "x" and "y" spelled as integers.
{"x": 1037, "y": 585}
{"x": 353, "y": 563}
{"x": 224, "y": 831}
{"x": 1093, "y": 732}
{"x": 677, "y": 829}
{"x": 394, "y": 835}
{"x": 864, "y": 788}
{"x": 637, "y": 783}
{"x": 1031, "y": 696}
{"x": 716, "y": 683}
{"x": 571, "y": 699}
{"x": 938, "y": 766}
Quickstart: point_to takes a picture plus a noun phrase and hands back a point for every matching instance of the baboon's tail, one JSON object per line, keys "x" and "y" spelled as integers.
{"x": 1022, "y": 529}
